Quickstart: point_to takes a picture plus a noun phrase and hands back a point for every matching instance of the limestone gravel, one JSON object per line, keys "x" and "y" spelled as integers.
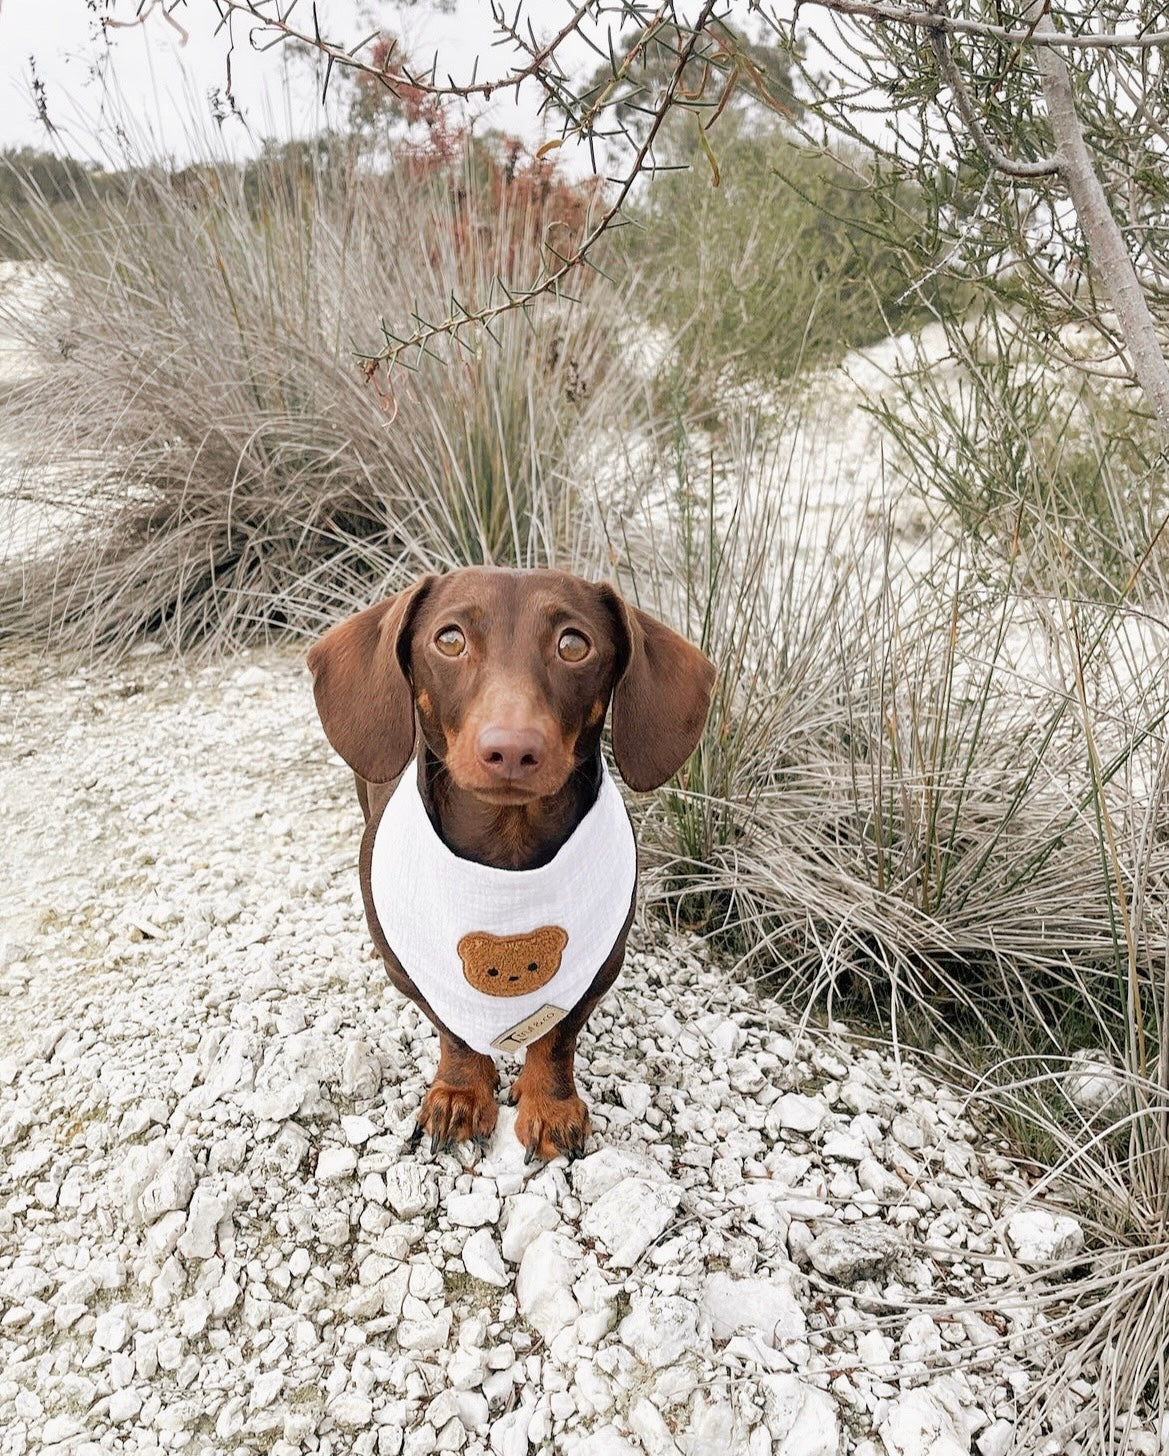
{"x": 214, "y": 1235}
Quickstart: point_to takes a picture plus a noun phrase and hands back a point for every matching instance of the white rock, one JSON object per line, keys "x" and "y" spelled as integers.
{"x": 124, "y": 1406}
{"x": 172, "y": 1188}
{"x": 528, "y": 1215}
{"x": 208, "y": 1208}
{"x": 430, "y": 1333}
{"x": 1094, "y": 1084}
{"x": 472, "y": 1409}
{"x": 481, "y": 1259}
{"x": 265, "y": 1388}
{"x": 509, "y": 1434}
{"x": 112, "y": 1330}
{"x": 194, "y": 1314}
{"x": 766, "y": 1305}
{"x": 846, "y": 1146}
{"x": 411, "y": 1188}
{"x": 646, "y": 1423}
{"x": 607, "y": 1441}
{"x": 996, "y": 1439}
{"x": 358, "y": 1130}
{"x": 629, "y": 1217}
{"x": 472, "y": 1210}
{"x": 335, "y": 1163}
{"x": 277, "y": 1104}
{"x": 711, "y": 1429}
{"x": 602, "y": 1170}
{"x": 1041, "y": 1240}
{"x": 794, "y": 1112}
{"x": 361, "y": 1070}
{"x": 635, "y": 1097}
{"x": 855, "y": 1251}
{"x": 660, "y": 1329}
{"x": 351, "y": 1411}
{"x": 60, "y": 1428}
{"x": 544, "y": 1283}
{"x": 287, "y": 1150}
{"x": 918, "y": 1424}
{"x": 802, "y": 1420}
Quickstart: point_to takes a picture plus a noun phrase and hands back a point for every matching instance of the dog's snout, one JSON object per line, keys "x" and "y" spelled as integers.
{"x": 511, "y": 753}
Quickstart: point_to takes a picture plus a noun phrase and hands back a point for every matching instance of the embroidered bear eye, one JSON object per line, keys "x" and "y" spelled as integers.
{"x": 493, "y": 970}
{"x": 533, "y": 965}
{"x": 573, "y": 647}
{"x": 451, "y": 642}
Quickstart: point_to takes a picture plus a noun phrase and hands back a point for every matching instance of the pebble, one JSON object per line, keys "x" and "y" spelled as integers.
{"x": 769, "y": 1306}
{"x": 544, "y": 1282}
{"x": 1042, "y": 1240}
{"x": 481, "y": 1259}
{"x": 629, "y": 1216}
{"x": 855, "y": 1251}
{"x": 472, "y": 1210}
{"x": 335, "y": 1163}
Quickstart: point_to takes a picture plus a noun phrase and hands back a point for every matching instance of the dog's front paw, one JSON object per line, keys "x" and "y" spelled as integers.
{"x": 546, "y": 1125}
{"x": 452, "y": 1114}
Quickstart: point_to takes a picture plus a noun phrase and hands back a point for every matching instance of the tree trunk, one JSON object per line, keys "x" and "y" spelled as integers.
{"x": 1105, "y": 242}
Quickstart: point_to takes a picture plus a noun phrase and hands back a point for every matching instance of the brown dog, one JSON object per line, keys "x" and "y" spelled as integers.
{"x": 507, "y": 676}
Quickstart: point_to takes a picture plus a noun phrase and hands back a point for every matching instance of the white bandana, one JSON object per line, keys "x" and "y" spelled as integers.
{"x": 501, "y": 955}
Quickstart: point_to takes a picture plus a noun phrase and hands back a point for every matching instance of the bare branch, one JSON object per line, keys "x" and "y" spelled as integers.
{"x": 955, "y": 25}
{"x": 965, "y": 103}
{"x": 270, "y": 19}
{"x": 454, "y": 324}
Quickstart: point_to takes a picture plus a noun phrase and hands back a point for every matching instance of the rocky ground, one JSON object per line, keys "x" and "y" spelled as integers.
{"x": 215, "y": 1237}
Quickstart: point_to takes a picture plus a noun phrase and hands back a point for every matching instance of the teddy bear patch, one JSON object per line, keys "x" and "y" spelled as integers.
{"x": 512, "y": 965}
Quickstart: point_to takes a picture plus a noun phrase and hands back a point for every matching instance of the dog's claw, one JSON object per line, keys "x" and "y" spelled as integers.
{"x": 435, "y": 1143}
{"x": 530, "y": 1155}
{"x": 416, "y": 1135}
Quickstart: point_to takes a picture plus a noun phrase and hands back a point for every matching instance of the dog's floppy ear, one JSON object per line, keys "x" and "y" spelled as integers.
{"x": 660, "y": 699}
{"x": 362, "y": 686}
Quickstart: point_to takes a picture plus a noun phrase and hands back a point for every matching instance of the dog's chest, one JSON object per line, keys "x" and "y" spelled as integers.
{"x": 501, "y": 955}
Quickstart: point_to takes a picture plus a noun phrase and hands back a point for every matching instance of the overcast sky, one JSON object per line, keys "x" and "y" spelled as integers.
{"x": 144, "y": 76}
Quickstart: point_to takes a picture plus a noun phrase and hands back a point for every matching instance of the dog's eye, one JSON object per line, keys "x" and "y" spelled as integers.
{"x": 572, "y": 646}
{"x": 451, "y": 642}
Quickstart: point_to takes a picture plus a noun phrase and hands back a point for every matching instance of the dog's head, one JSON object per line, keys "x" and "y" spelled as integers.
{"x": 509, "y": 675}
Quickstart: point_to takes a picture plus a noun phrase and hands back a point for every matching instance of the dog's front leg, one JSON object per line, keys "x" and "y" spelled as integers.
{"x": 460, "y": 1103}
{"x": 552, "y": 1118}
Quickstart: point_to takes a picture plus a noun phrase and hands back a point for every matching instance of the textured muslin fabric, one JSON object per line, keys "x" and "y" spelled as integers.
{"x": 456, "y": 926}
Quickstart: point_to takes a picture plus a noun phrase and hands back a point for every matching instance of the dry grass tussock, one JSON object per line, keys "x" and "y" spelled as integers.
{"x": 200, "y": 425}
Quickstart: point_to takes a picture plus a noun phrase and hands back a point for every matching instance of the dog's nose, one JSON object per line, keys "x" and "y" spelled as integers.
{"x": 511, "y": 753}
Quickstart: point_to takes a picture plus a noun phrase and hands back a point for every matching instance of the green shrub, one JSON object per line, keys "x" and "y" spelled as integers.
{"x": 794, "y": 258}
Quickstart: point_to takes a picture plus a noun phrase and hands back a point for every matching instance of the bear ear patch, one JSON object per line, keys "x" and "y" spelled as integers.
{"x": 512, "y": 965}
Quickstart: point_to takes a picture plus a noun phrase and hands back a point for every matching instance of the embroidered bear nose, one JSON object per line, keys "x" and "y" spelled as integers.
{"x": 511, "y": 753}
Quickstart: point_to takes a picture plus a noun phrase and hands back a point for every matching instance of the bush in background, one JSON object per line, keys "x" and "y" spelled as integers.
{"x": 795, "y": 257}
{"x": 221, "y": 466}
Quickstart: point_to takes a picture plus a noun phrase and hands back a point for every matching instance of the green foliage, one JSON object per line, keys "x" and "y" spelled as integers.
{"x": 794, "y": 258}
{"x": 1049, "y": 470}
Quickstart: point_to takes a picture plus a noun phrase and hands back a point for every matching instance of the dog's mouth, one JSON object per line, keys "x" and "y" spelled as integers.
{"x": 503, "y": 793}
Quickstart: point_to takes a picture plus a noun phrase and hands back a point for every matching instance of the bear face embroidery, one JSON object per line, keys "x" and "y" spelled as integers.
{"x": 512, "y": 965}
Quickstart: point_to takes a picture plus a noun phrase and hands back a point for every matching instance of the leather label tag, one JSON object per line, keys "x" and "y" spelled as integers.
{"x": 516, "y": 1037}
